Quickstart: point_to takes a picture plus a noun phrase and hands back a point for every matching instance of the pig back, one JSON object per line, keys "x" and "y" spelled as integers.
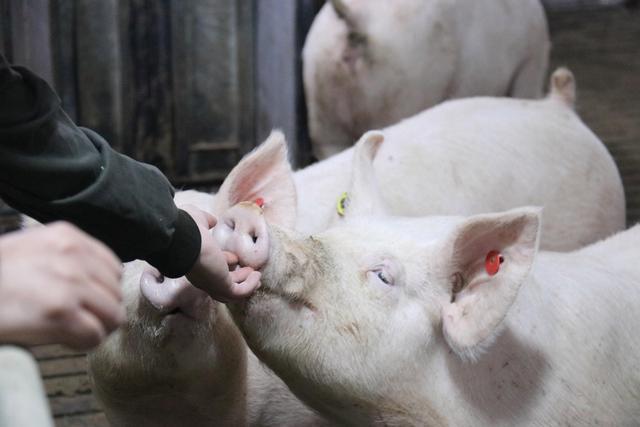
{"x": 486, "y": 154}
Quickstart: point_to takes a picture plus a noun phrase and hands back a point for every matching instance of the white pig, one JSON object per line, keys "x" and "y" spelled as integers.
{"x": 462, "y": 157}
{"x": 179, "y": 360}
{"x": 368, "y": 64}
{"x": 439, "y": 321}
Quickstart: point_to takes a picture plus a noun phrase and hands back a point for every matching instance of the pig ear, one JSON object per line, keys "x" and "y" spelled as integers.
{"x": 363, "y": 196}
{"x": 263, "y": 176}
{"x": 489, "y": 256}
{"x": 353, "y": 20}
{"x": 344, "y": 12}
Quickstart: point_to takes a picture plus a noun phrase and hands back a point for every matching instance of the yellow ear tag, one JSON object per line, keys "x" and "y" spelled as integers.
{"x": 342, "y": 203}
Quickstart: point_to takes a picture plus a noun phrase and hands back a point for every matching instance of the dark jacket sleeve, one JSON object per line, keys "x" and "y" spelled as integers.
{"x": 51, "y": 169}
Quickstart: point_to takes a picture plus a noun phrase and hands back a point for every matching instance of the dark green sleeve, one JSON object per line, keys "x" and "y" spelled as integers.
{"x": 51, "y": 169}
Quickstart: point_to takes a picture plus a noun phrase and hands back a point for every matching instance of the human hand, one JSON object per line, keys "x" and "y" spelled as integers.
{"x": 211, "y": 271}
{"x": 58, "y": 285}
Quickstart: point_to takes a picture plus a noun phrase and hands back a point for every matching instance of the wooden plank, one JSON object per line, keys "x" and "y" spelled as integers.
{"x": 210, "y": 93}
{"x": 82, "y": 420}
{"x": 145, "y": 27}
{"x": 63, "y": 366}
{"x": 63, "y": 43}
{"x": 276, "y": 70}
{"x": 5, "y": 29}
{"x": 245, "y": 72}
{"x": 53, "y": 351}
{"x": 70, "y": 405}
{"x": 98, "y": 67}
{"x": 30, "y": 36}
{"x": 575, "y": 5}
{"x": 67, "y": 386}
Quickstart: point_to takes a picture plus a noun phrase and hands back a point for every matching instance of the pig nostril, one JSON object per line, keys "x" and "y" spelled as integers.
{"x": 254, "y": 236}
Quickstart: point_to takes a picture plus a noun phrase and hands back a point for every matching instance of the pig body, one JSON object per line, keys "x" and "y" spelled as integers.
{"x": 369, "y": 64}
{"x": 482, "y": 155}
{"x": 180, "y": 360}
{"x": 403, "y": 321}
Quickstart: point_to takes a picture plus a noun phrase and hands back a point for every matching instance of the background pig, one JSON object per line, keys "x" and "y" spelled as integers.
{"x": 179, "y": 360}
{"x": 411, "y": 321}
{"x": 368, "y": 64}
{"x": 459, "y": 158}
{"x": 462, "y": 157}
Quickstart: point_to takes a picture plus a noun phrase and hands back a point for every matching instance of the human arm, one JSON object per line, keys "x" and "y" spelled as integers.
{"x": 51, "y": 169}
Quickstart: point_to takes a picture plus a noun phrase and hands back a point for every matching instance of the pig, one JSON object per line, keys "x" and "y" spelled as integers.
{"x": 180, "y": 360}
{"x": 473, "y": 146}
{"x": 368, "y": 64}
{"x": 443, "y": 320}
{"x": 462, "y": 157}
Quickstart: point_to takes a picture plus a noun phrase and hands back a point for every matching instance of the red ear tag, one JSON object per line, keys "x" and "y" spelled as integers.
{"x": 492, "y": 262}
{"x": 259, "y": 201}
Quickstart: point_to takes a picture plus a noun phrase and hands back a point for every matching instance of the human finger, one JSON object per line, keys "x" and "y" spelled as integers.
{"x": 103, "y": 306}
{"x": 230, "y": 257}
{"x": 83, "y": 331}
{"x": 104, "y": 276}
{"x": 241, "y": 290}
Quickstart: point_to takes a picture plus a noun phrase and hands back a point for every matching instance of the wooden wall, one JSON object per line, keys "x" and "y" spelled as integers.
{"x": 168, "y": 82}
{"x": 189, "y": 86}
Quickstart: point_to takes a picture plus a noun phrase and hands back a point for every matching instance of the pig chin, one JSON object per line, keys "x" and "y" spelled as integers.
{"x": 174, "y": 327}
{"x": 271, "y": 312}
{"x": 269, "y": 307}
{"x": 283, "y": 288}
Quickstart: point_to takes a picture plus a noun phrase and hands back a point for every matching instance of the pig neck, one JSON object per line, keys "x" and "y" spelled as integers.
{"x": 451, "y": 391}
{"x": 552, "y": 332}
{"x": 318, "y": 188}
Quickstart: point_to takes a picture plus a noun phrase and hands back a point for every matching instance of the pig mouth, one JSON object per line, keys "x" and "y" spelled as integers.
{"x": 177, "y": 316}
{"x": 190, "y": 312}
{"x": 294, "y": 301}
{"x": 177, "y": 312}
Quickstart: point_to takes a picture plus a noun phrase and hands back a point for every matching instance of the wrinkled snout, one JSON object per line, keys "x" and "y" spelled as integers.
{"x": 173, "y": 296}
{"x": 243, "y": 231}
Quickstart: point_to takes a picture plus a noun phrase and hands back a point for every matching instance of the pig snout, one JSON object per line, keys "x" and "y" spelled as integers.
{"x": 171, "y": 296}
{"x": 243, "y": 231}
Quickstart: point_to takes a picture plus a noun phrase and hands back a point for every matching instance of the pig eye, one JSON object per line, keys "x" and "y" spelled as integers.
{"x": 383, "y": 276}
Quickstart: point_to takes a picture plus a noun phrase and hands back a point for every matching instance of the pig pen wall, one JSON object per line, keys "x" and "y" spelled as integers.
{"x": 601, "y": 46}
